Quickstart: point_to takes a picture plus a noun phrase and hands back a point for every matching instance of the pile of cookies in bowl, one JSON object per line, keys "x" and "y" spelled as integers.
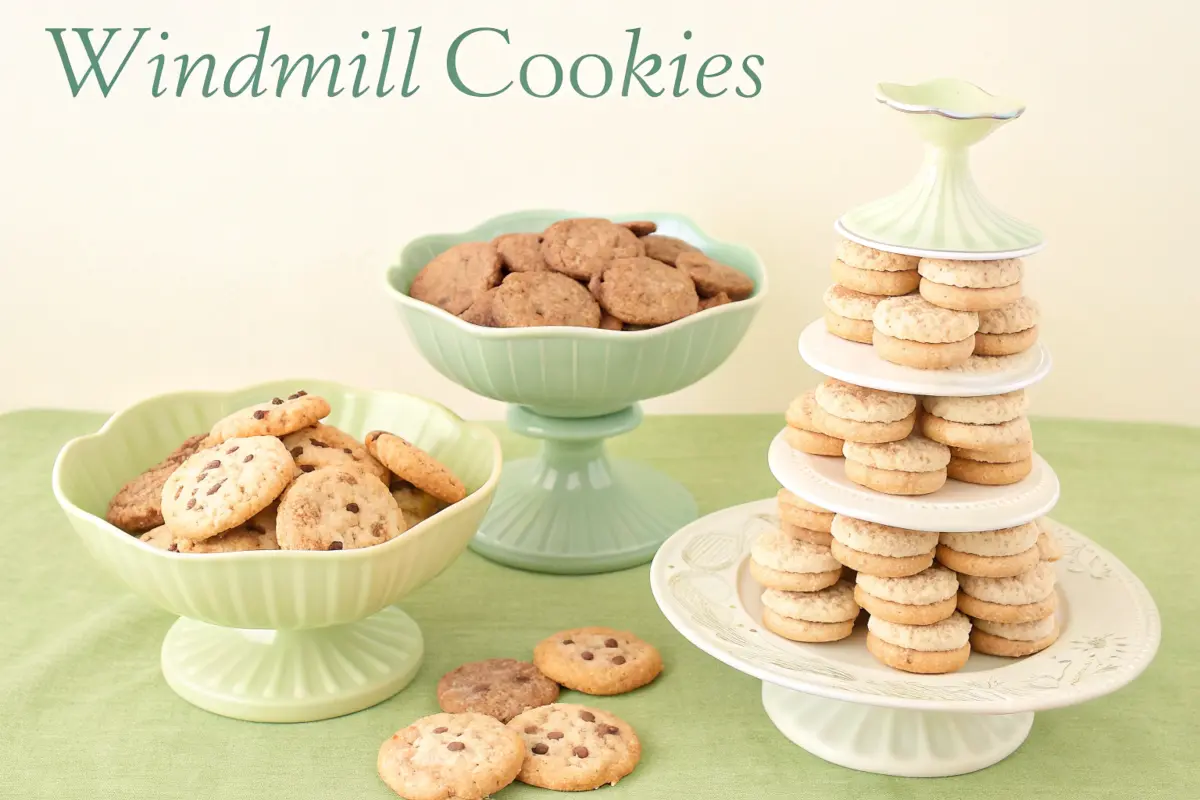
{"x": 581, "y": 272}
{"x": 272, "y": 476}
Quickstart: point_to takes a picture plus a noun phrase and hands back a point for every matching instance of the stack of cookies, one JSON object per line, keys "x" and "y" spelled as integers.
{"x": 274, "y": 477}
{"x": 929, "y": 313}
{"x": 585, "y": 272}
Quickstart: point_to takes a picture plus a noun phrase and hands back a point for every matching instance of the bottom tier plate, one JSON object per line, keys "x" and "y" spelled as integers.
{"x": 839, "y": 703}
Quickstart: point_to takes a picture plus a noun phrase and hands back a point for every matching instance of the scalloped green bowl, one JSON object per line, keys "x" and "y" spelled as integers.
{"x": 280, "y": 636}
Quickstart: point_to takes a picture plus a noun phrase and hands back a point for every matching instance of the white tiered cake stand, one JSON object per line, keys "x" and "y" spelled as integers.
{"x": 835, "y": 700}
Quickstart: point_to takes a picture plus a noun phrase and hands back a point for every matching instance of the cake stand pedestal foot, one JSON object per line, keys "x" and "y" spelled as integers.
{"x": 572, "y": 510}
{"x": 292, "y": 676}
{"x": 888, "y": 741}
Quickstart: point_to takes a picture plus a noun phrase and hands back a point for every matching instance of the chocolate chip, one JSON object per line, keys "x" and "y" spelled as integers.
{"x": 611, "y": 729}
{"x": 262, "y": 412}
{"x": 178, "y": 492}
{"x": 618, "y": 660}
{"x": 531, "y": 728}
{"x": 348, "y": 451}
{"x": 456, "y": 746}
{"x": 581, "y": 751}
{"x": 231, "y": 450}
{"x": 191, "y": 502}
{"x": 335, "y": 545}
{"x": 318, "y": 443}
{"x": 195, "y": 490}
{"x": 212, "y": 464}
{"x": 541, "y": 749}
{"x": 174, "y": 548}
{"x": 586, "y": 655}
{"x": 441, "y": 729}
{"x": 610, "y": 642}
{"x": 352, "y": 508}
{"x": 248, "y": 459}
{"x": 200, "y": 478}
{"x": 554, "y": 735}
{"x": 587, "y": 716}
{"x": 568, "y": 641}
{"x": 483, "y": 687}
{"x": 296, "y": 451}
{"x": 213, "y": 489}
{"x": 300, "y": 393}
{"x": 522, "y": 679}
{"x": 307, "y": 467}
{"x": 275, "y": 401}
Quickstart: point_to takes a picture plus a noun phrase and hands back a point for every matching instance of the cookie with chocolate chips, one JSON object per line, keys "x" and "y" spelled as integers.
{"x": 458, "y": 277}
{"x": 256, "y": 533}
{"x": 336, "y": 508}
{"x": 137, "y": 507}
{"x": 322, "y": 445}
{"x": 498, "y": 687}
{"x": 598, "y": 661}
{"x": 414, "y": 465}
{"x": 451, "y": 757}
{"x": 221, "y": 487}
{"x": 416, "y": 505}
{"x": 579, "y": 248}
{"x": 277, "y": 417}
{"x": 573, "y": 748}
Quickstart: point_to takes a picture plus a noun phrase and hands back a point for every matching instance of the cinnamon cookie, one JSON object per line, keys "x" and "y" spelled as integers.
{"x": 641, "y": 227}
{"x": 520, "y": 252}
{"x": 666, "y": 249}
{"x": 455, "y": 279}
{"x": 277, "y": 417}
{"x": 221, "y": 487}
{"x": 451, "y": 757}
{"x": 528, "y": 299}
{"x": 610, "y": 323}
{"x": 137, "y": 506}
{"x": 598, "y": 660}
{"x": 416, "y": 466}
{"x": 580, "y": 248}
{"x": 643, "y": 291}
{"x": 498, "y": 687}
{"x": 326, "y": 446}
{"x": 718, "y": 299}
{"x": 573, "y": 748}
{"x": 256, "y": 533}
{"x": 480, "y": 312}
{"x": 712, "y": 277}
{"x": 335, "y": 508}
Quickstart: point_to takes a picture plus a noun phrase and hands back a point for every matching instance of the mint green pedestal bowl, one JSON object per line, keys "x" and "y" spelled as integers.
{"x": 572, "y": 510}
{"x": 280, "y": 636}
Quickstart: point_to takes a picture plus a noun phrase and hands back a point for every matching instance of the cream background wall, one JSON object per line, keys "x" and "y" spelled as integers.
{"x": 148, "y": 245}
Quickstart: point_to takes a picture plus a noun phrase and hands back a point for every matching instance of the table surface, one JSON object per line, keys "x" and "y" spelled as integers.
{"x": 85, "y": 713}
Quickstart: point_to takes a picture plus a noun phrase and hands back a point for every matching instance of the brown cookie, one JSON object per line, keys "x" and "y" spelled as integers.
{"x": 277, "y": 417}
{"x": 640, "y": 227}
{"x": 529, "y": 299}
{"x": 572, "y": 748}
{"x": 642, "y": 291}
{"x": 666, "y": 248}
{"x": 610, "y": 323}
{"x": 416, "y": 466}
{"x": 598, "y": 660}
{"x": 498, "y": 687}
{"x": 480, "y": 312}
{"x": 579, "y": 248}
{"x": 137, "y": 507}
{"x": 455, "y": 279}
{"x": 713, "y": 278}
{"x": 520, "y": 252}
{"x": 718, "y": 299}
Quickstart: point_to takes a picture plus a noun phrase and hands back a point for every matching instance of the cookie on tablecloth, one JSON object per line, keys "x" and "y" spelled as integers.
{"x": 499, "y": 687}
{"x": 597, "y": 660}
{"x": 451, "y": 757}
{"x": 574, "y": 748}
{"x": 277, "y": 417}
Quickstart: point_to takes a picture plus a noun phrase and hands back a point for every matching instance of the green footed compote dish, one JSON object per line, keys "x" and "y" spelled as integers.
{"x": 572, "y": 509}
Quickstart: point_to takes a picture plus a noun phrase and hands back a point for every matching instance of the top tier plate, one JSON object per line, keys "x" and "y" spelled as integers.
{"x": 942, "y": 213}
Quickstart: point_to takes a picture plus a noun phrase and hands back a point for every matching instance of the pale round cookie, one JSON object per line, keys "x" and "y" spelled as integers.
{"x": 922, "y": 355}
{"x": 335, "y": 508}
{"x": 896, "y": 482}
{"x": 1020, "y": 631}
{"x": 976, "y": 437}
{"x": 783, "y": 580}
{"x": 712, "y": 277}
{"x": 863, "y": 257}
{"x": 817, "y": 444}
{"x": 797, "y": 511}
{"x": 823, "y": 538}
{"x": 983, "y": 410}
{"x": 160, "y": 537}
{"x": 850, "y": 304}
{"x": 913, "y": 454}
{"x": 802, "y": 630}
{"x": 972, "y": 274}
{"x": 1009, "y": 454}
{"x": 988, "y": 566}
{"x": 574, "y": 748}
{"x": 416, "y": 466}
{"x": 946, "y": 635}
{"x": 877, "y": 282}
{"x": 921, "y": 599}
{"x": 832, "y": 604}
{"x": 863, "y": 432}
{"x": 776, "y": 550}
{"x": 985, "y": 474}
{"x": 277, "y": 417}
{"x": 595, "y": 660}
{"x": 256, "y": 533}
{"x": 451, "y": 757}
{"x": 883, "y": 566}
{"x": 852, "y": 330}
{"x": 415, "y": 505}
{"x": 326, "y": 446}
{"x": 1003, "y": 542}
{"x": 499, "y": 687}
{"x": 860, "y": 404}
{"x": 581, "y": 248}
{"x": 1005, "y": 344}
{"x": 957, "y": 298}
{"x": 137, "y": 506}
{"x": 882, "y": 540}
{"x": 221, "y": 487}
{"x": 902, "y": 613}
{"x": 1031, "y": 586}
{"x": 1047, "y": 544}
{"x": 1021, "y": 315}
{"x": 1004, "y": 612}
{"x": 917, "y": 661}
{"x": 915, "y": 319}
{"x": 1014, "y": 639}
{"x": 666, "y": 249}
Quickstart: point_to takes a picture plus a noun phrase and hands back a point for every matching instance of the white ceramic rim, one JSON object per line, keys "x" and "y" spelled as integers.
{"x": 924, "y": 252}
{"x": 857, "y": 363}
{"x": 480, "y": 495}
{"x": 1073, "y": 670}
{"x": 955, "y": 508}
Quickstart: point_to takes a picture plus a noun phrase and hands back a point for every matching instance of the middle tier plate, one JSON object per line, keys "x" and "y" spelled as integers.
{"x": 859, "y": 364}
{"x": 955, "y": 508}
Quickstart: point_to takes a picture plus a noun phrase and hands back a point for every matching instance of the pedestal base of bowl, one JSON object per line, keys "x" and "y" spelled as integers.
{"x": 292, "y": 676}
{"x": 572, "y": 510}
{"x": 889, "y": 741}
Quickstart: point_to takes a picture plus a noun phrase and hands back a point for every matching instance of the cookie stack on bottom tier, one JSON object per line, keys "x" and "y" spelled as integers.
{"x": 1013, "y": 613}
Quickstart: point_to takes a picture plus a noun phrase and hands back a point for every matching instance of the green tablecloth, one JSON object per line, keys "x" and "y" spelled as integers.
{"x": 85, "y": 713}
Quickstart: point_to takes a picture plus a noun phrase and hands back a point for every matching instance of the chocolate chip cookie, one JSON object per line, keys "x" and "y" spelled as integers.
{"x": 256, "y": 533}
{"x": 415, "y": 505}
{"x": 451, "y": 757}
{"x": 520, "y": 252}
{"x": 599, "y": 661}
{"x": 666, "y": 249}
{"x": 335, "y": 508}
{"x": 326, "y": 446}
{"x": 642, "y": 291}
{"x": 579, "y": 248}
{"x": 528, "y": 299}
{"x": 455, "y": 279}
{"x": 277, "y": 417}
{"x": 416, "y": 466}
{"x": 573, "y": 748}
{"x": 713, "y": 278}
{"x": 498, "y": 687}
{"x": 137, "y": 507}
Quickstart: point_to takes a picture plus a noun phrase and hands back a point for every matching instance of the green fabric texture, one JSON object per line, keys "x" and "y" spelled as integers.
{"x": 85, "y": 713}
